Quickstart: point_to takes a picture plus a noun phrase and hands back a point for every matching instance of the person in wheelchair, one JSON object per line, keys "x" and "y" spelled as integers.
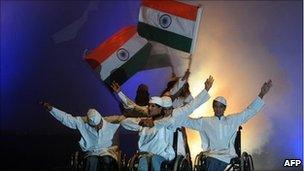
{"x": 178, "y": 139}
{"x": 156, "y": 140}
{"x": 139, "y": 108}
{"x": 180, "y": 97}
{"x": 218, "y": 132}
{"x": 152, "y": 143}
{"x": 96, "y": 136}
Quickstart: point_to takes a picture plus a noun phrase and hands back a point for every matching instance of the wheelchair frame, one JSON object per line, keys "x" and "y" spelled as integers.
{"x": 243, "y": 162}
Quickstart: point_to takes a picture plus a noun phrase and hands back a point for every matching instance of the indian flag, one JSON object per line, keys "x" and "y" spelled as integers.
{"x": 172, "y": 23}
{"x": 120, "y": 56}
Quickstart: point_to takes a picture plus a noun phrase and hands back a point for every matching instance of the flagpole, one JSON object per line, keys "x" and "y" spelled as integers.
{"x": 197, "y": 25}
{"x": 190, "y": 61}
{"x": 170, "y": 56}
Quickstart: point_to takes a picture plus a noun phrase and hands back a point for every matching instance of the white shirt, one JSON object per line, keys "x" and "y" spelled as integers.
{"x": 180, "y": 102}
{"x": 158, "y": 140}
{"x": 93, "y": 142}
{"x": 129, "y": 104}
{"x": 218, "y": 135}
{"x": 152, "y": 140}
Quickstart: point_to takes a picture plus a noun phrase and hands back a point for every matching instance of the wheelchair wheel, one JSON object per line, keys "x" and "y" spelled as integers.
{"x": 200, "y": 162}
{"x": 182, "y": 164}
{"x": 134, "y": 161}
{"x": 246, "y": 162}
{"x": 76, "y": 162}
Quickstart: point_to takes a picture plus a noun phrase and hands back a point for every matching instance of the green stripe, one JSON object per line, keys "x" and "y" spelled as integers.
{"x": 128, "y": 69}
{"x": 171, "y": 39}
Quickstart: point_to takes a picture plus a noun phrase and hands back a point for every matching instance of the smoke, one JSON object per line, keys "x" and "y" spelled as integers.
{"x": 230, "y": 48}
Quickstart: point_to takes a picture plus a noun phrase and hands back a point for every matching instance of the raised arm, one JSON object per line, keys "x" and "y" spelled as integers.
{"x": 127, "y": 102}
{"x": 179, "y": 84}
{"x": 115, "y": 119}
{"x": 253, "y": 108}
{"x": 196, "y": 102}
{"x": 131, "y": 124}
{"x": 63, "y": 117}
{"x": 180, "y": 115}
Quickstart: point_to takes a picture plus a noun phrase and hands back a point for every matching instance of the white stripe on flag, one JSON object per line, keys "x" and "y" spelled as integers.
{"x": 133, "y": 45}
{"x": 197, "y": 25}
{"x": 179, "y": 25}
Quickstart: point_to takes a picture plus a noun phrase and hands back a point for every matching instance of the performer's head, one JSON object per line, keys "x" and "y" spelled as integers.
{"x": 155, "y": 106}
{"x": 170, "y": 85}
{"x": 142, "y": 95}
{"x": 167, "y": 106}
{"x": 219, "y": 106}
{"x": 94, "y": 118}
{"x": 185, "y": 90}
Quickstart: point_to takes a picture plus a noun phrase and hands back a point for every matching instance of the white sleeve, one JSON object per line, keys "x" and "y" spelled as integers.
{"x": 131, "y": 124}
{"x": 192, "y": 123}
{"x": 65, "y": 118}
{"x": 188, "y": 99}
{"x": 249, "y": 112}
{"x": 172, "y": 123}
{"x": 187, "y": 109}
{"x": 126, "y": 101}
{"x": 177, "y": 86}
{"x": 180, "y": 115}
{"x": 114, "y": 119}
{"x": 167, "y": 122}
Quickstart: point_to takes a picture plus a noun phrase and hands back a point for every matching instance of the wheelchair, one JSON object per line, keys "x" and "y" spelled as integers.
{"x": 179, "y": 163}
{"x": 243, "y": 162}
{"x": 77, "y": 161}
{"x": 134, "y": 161}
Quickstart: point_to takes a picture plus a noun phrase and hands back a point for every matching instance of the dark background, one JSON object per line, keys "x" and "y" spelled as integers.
{"x": 42, "y": 46}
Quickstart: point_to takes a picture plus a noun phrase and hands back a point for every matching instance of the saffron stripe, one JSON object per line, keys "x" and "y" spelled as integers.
{"x": 107, "y": 48}
{"x": 173, "y": 7}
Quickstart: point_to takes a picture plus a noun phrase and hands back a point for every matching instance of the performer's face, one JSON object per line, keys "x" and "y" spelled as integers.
{"x": 154, "y": 109}
{"x": 218, "y": 108}
{"x": 98, "y": 126}
{"x": 167, "y": 111}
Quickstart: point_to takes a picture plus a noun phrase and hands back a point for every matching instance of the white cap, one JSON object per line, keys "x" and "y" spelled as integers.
{"x": 221, "y": 99}
{"x": 156, "y": 100}
{"x": 167, "y": 102}
{"x": 94, "y": 117}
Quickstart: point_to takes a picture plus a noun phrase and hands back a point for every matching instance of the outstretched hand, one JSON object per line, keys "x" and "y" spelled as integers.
{"x": 115, "y": 86}
{"x": 209, "y": 82}
{"x": 265, "y": 88}
{"x": 46, "y": 105}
